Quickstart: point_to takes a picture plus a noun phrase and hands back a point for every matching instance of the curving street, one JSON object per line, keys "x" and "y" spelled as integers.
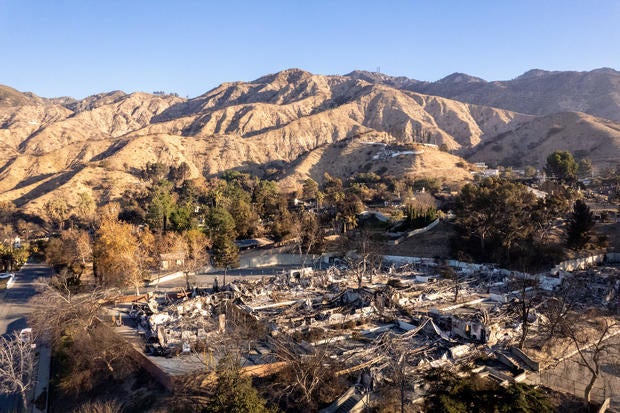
{"x": 15, "y": 306}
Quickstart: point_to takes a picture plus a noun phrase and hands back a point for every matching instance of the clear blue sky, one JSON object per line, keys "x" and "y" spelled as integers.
{"x": 78, "y": 48}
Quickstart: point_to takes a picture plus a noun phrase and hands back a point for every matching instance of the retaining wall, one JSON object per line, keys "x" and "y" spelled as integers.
{"x": 585, "y": 262}
{"x": 572, "y": 377}
{"x": 269, "y": 260}
{"x": 414, "y": 232}
{"x": 153, "y": 369}
{"x": 534, "y": 365}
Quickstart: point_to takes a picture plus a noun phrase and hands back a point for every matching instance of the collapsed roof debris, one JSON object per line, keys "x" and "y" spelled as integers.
{"x": 402, "y": 312}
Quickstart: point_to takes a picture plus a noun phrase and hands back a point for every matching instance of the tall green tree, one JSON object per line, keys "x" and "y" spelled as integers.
{"x": 181, "y": 218}
{"x": 234, "y": 392}
{"x": 225, "y": 251}
{"x": 419, "y": 217}
{"x": 161, "y": 206}
{"x": 310, "y": 189}
{"x": 333, "y": 189}
{"x": 580, "y": 225}
{"x": 266, "y": 198}
{"x": 282, "y": 224}
{"x": 562, "y": 165}
{"x": 245, "y": 218}
{"x": 498, "y": 219}
{"x": 220, "y": 227}
{"x": 347, "y": 210}
{"x": 219, "y": 221}
{"x": 584, "y": 168}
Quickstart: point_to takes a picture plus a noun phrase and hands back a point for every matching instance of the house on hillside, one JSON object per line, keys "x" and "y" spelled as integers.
{"x": 171, "y": 261}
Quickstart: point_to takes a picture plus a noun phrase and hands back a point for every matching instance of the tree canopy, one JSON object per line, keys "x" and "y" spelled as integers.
{"x": 580, "y": 224}
{"x": 501, "y": 221}
{"x": 562, "y": 165}
{"x": 234, "y": 392}
{"x": 450, "y": 393}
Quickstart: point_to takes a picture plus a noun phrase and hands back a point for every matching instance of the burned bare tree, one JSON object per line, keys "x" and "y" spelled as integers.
{"x": 558, "y": 306}
{"x": 73, "y": 325}
{"x": 523, "y": 307}
{"x": 305, "y": 375}
{"x": 366, "y": 258}
{"x": 449, "y": 273}
{"x": 398, "y": 356}
{"x": 60, "y": 308}
{"x": 310, "y": 239}
{"x": 17, "y": 362}
{"x": 594, "y": 342}
{"x": 71, "y": 253}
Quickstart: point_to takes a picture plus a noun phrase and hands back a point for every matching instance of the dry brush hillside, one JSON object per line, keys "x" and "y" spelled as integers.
{"x": 296, "y": 122}
{"x": 537, "y": 92}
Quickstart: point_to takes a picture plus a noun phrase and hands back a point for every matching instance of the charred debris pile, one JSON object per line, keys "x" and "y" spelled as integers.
{"x": 407, "y": 314}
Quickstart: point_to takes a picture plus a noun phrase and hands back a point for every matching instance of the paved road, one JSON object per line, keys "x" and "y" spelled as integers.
{"x": 15, "y": 306}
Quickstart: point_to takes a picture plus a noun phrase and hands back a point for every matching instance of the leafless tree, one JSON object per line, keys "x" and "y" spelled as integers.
{"x": 17, "y": 362}
{"x": 73, "y": 324}
{"x": 557, "y": 307}
{"x": 592, "y": 337}
{"x": 449, "y": 273}
{"x": 527, "y": 289}
{"x": 94, "y": 358}
{"x": 60, "y": 308}
{"x": 110, "y": 406}
{"x": 367, "y": 258}
{"x": 310, "y": 238}
{"x": 72, "y": 252}
{"x": 399, "y": 356}
{"x": 305, "y": 374}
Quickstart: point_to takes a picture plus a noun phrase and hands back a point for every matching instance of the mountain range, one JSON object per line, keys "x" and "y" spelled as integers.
{"x": 293, "y": 124}
{"x": 536, "y": 92}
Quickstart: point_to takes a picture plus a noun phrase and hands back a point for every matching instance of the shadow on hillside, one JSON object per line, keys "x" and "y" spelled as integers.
{"x": 35, "y": 219}
{"x": 256, "y": 93}
{"x": 112, "y": 149}
{"x": 47, "y": 186}
{"x": 32, "y": 180}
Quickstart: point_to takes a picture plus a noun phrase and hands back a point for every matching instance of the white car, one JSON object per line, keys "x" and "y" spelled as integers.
{"x": 26, "y": 336}
{"x": 10, "y": 276}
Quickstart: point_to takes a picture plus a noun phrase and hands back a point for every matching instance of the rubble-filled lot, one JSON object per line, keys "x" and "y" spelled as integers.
{"x": 396, "y": 321}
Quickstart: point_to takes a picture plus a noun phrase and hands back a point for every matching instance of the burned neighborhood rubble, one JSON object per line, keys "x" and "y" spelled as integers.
{"x": 406, "y": 316}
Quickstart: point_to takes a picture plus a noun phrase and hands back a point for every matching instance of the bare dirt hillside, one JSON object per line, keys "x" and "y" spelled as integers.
{"x": 529, "y": 144}
{"x": 12, "y": 97}
{"x": 288, "y": 126}
{"x": 377, "y": 153}
{"x": 537, "y": 92}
